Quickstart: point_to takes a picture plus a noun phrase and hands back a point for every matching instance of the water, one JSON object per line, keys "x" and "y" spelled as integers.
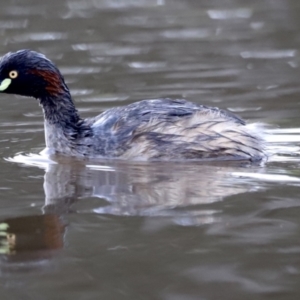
{"x": 124, "y": 230}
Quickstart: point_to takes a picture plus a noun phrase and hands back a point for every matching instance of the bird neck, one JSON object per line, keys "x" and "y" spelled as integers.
{"x": 64, "y": 129}
{"x": 60, "y": 110}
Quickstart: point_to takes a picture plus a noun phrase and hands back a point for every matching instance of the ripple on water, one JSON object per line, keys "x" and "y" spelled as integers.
{"x": 269, "y": 54}
{"x": 237, "y": 13}
{"x": 111, "y": 4}
{"x": 189, "y": 34}
{"x": 13, "y": 24}
{"x": 39, "y": 36}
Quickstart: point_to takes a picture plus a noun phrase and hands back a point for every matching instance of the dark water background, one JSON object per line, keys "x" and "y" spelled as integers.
{"x": 117, "y": 230}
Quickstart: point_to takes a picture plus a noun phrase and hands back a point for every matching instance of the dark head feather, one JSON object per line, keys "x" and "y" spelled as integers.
{"x": 37, "y": 76}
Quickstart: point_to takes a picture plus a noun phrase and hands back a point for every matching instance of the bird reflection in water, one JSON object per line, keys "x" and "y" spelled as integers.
{"x": 31, "y": 237}
{"x": 184, "y": 193}
{"x": 157, "y": 189}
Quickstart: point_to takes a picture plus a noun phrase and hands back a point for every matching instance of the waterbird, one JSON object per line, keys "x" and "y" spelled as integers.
{"x": 154, "y": 129}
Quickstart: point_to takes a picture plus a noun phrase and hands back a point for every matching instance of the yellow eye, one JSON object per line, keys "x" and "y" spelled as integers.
{"x": 13, "y": 74}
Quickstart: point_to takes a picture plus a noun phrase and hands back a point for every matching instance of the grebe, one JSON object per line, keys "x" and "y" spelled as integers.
{"x": 159, "y": 129}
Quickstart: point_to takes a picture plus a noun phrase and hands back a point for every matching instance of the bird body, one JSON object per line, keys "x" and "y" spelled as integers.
{"x": 157, "y": 129}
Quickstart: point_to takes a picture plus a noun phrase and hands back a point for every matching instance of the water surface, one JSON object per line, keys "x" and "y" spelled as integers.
{"x": 124, "y": 230}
